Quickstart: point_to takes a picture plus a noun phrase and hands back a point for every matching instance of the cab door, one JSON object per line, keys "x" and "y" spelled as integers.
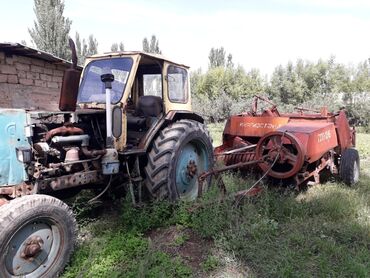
{"x": 176, "y": 88}
{"x": 119, "y": 128}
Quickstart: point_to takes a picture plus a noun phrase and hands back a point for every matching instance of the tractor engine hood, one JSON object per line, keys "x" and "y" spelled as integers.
{"x": 13, "y": 137}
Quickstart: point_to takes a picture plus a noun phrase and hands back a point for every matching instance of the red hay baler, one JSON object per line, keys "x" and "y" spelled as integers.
{"x": 293, "y": 147}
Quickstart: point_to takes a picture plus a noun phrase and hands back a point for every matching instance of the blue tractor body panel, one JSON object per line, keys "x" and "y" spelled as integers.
{"x": 12, "y": 135}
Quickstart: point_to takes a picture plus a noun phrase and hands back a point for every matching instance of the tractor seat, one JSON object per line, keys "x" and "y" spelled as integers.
{"x": 148, "y": 106}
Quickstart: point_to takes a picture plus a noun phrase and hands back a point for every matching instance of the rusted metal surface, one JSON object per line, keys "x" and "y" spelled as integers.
{"x": 295, "y": 146}
{"x": 234, "y": 151}
{"x": 69, "y": 181}
{"x": 92, "y": 153}
{"x": 32, "y": 248}
{"x": 70, "y": 83}
{"x": 315, "y": 138}
{"x": 18, "y": 190}
{"x": 69, "y": 91}
{"x": 290, "y": 151}
{"x": 246, "y": 126}
{"x": 63, "y": 130}
{"x": 346, "y": 134}
{"x": 191, "y": 169}
{"x": 216, "y": 172}
{"x": 3, "y": 201}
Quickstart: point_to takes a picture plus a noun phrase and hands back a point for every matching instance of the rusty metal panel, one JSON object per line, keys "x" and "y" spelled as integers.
{"x": 73, "y": 180}
{"x": 344, "y": 131}
{"x": 253, "y": 126}
{"x": 316, "y": 137}
{"x": 69, "y": 91}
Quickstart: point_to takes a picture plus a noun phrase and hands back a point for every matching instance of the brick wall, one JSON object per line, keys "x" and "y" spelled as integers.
{"x": 29, "y": 83}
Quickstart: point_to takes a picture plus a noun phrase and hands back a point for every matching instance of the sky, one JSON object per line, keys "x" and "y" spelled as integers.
{"x": 259, "y": 34}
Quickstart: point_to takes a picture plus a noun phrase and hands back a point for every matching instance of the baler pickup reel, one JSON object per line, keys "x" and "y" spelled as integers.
{"x": 290, "y": 148}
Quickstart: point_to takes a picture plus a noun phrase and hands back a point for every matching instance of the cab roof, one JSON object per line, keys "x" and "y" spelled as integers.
{"x": 141, "y": 53}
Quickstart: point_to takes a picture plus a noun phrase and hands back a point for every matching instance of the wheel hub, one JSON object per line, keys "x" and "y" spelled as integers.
{"x": 32, "y": 248}
{"x": 283, "y": 154}
{"x": 191, "y": 161}
{"x": 191, "y": 169}
{"x": 29, "y": 249}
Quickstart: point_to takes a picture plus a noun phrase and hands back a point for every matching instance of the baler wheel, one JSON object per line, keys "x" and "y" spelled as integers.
{"x": 37, "y": 236}
{"x": 180, "y": 153}
{"x": 288, "y": 149}
{"x": 350, "y": 166}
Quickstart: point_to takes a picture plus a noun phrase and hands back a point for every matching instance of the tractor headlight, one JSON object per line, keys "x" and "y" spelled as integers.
{"x": 23, "y": 154}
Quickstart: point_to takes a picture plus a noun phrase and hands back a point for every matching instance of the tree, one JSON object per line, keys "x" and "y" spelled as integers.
{"x": 115, "y": 47}
{"x": 81, "y": 48}
{"x": 84, "y": 48}
{"x": 51, "y": 28}
{"x": 217, "y": 58}
{"x": 92, "y": 46}
{"x": 230, "y": 63}
{"x": 153, "y": 47}
{"x": 121, "y": 46}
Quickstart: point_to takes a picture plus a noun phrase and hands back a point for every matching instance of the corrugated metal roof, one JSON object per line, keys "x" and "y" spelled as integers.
{"x": 23, "y": 50}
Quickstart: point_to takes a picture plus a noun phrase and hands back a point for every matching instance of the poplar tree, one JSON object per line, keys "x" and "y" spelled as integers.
{"x": 51, "y": 28}
{"x": 115, "y": 47}
{"x": 84, "y": 48}
{"x": 153, "y": 46}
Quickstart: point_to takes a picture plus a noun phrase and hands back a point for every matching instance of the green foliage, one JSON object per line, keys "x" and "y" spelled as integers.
{"x": 115, "y": 47}
{"x": 296, "y": 84}
{"x": 85, "y": 49}
{"x": 234, "y": 82}
{"x": 217, "y": 57}
{"x": 92, "y": 46}
{"x": 180, "y": 240}
{"x": 358, "y": 108}
{"x": 218, "y": 108}
{"x": 224, "y": 91}
{"x": 51, "y": 28}
{"x": 153, "y": 46}
{"x": 119, "y": 248}
{"x": 148, "y": 217}
{"x": 321, "y": 232}
{"x": 210, "y": 264}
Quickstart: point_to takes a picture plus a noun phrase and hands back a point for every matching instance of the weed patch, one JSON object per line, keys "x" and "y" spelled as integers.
{"x": 321, "y": 232}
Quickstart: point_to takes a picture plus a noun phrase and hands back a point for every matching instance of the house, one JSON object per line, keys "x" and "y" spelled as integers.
{"x": 29, "y": 78}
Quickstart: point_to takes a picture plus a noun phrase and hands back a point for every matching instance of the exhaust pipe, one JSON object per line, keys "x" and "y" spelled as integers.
{"x": 107, "y": 79}
{"x": 110, "y": 162}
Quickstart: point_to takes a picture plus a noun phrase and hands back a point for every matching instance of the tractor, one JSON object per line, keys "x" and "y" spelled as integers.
{"x": 125, "y": 119}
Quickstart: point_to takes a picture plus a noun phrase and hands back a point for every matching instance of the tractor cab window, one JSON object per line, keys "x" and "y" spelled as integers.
{"x": 152, "y": 84}
{"x": 177, "y": 79}
{"x": 92, "y": 88}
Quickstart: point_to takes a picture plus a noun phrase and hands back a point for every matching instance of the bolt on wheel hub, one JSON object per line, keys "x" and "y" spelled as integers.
{"x": 32, "y": 248}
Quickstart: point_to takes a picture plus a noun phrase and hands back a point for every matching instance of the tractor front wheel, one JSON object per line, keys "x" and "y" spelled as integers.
{"x": 350, "y": 166}
{"x": 180, "y": 153}
{"x": 37, "y": 236}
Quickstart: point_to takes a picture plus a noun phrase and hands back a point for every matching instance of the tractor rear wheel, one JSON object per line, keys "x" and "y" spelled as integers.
{"x": 180, "y": 153}
{"x": 350, "y": 166}
{"x": 37, "y": 237}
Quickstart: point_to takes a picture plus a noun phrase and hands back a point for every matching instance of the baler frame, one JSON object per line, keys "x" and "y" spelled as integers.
{"x": 310, "y": 141}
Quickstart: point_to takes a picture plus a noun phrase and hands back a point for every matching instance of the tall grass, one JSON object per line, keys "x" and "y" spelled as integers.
{"x": 321, "y": 232}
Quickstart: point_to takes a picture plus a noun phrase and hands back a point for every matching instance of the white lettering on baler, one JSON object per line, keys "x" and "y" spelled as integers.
{"x": 324, "y": 136}
{"x": 260, "y": 125}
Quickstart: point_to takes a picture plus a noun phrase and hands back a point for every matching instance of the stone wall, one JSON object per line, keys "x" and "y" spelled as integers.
{"x": 29, "y": 83}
